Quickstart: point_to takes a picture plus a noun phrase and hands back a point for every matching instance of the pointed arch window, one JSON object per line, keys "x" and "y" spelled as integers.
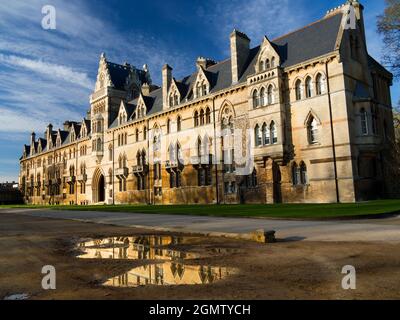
{"x": 261, "y": 65}
{"x": 208, "y": 116}
{"x": 273, "y": 62}
{"x": 257, "y": 135}
{"x": 196, "y": 118}
{"x": 274, "y": 133}
{"x": 299, "y": 90}
{"x": 262, "y": 97}
{"x": 269, "y": 95}
{"x": 266, "y": 134}
{"x": 201, "y": 117}
{"x": 303, "y": 173}
{"x": 267, "y": 64}
{"x": 256, "y": 100}
{"x": 295, "y": 174}
{"x": 178, "y": 124}
{"x": 309, "y": 87}
{"x": 168, "y": 126}
{"x": 319, "y": 81}
{"x": 313, "y": 134}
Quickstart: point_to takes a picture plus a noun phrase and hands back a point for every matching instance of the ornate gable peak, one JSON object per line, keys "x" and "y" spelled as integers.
{"x": 103, "y": 74}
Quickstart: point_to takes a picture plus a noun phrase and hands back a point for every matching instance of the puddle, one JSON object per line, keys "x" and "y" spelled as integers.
{"x": 17, "y": 296}
{"x": 169, "y": 274}
{"x": 134, "y": 248}
{"x": 172, "y": 270}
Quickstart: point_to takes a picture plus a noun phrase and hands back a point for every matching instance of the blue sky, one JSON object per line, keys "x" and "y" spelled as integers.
{"x": 47, "y": 75}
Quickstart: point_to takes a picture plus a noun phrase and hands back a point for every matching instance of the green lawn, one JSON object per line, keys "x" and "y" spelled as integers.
{"x": 300, "y": 211}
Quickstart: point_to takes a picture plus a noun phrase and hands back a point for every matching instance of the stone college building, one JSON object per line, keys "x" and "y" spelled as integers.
{"x": 305, "y": 117}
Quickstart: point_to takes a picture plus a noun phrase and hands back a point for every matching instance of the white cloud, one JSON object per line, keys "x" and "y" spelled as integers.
{"x": 49, "y": 69}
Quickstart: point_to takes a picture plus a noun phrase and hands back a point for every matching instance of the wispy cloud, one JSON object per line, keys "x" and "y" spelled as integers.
{"x": 61, "y": 72}
{"x": 256, "y": 18}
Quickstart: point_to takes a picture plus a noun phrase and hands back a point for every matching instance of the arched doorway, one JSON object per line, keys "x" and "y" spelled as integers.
{"x": 102, "y": 197}
{"x": 98, "y": 187}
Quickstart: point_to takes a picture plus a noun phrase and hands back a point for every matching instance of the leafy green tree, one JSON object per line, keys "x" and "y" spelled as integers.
{"x": 389, "y": 27}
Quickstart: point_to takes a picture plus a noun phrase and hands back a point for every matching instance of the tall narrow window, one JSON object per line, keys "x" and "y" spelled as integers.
{"x": 320, "y": 84}
{"x": 196, "y": 119}
{"x": 313, "y": 131}
{"x": 266, "y": 134}
{"x": 274, "y": 133}
{"x": 273, "y": 62}
{"x": 364, "y": 122}
{"x": 261, "y": 66}
{"x": 269, "y": 95}
{"x": 256, "y": 100}
{"x": 267, "y": 64}
{"x": 201, "y": 117}
{"x": 208, "y": 116}
{"x": 299, "y": 90}
{"x": 257, "y": 135}
{"x": 179, "y": 124}
{"x": 168, "y": 126}
{"x": 262, "y": 97}
{"x": 303, "y": 173}
{"x": 309, "y": 88}
{"x": 295, "y": 174}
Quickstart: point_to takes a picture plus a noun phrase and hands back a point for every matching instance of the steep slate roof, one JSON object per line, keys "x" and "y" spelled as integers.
{"x": 119, "y": 74}
{"x": 312, "y": 41}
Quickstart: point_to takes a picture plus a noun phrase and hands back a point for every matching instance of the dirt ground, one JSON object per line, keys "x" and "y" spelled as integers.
{"x": 285, "y": 270}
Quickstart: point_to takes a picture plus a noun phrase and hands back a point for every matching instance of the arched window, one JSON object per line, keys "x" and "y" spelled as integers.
{"x": 204, "y": 89}
{"x": 176, "y": 99}
{"x": 266, "y": 134}
{"x": 196, "y": 119}
{"x": 256, "y": 100}
{"x": 295, "y": 174}
{"x": 319, "y": 81}
{"x": 145, "y": 133}
{"x": 270, "y": 95}
{"x": 309, "y": 87}
{"x": 262, "y": 97}
{"x": 199, "y": 148}
{"x": 168, "y": 126}
{"x": 137, "y": 135}
{"x": 273, "y": 62}
{"x": 139, "y": 159}
{"x": 299, "y": 90}
{"x": 178, "y": 123}
{"x": 254, "y": 181}
{"x": 201, "y": 117}
{"x": 198, "y": 90}
{"x": 257, "y": 135}
{"x": 171, "y": 101}
{"x": 110, "y": 153}
{"x": 208, "y": 116}
{"x": 303, "y": 173}
{"x": 364, "y": 122}
{"x": 313, "y": 131}
{"x": 261, "y": 65}
{"x": 267, "y": 64}
{"x": 274, "y": 133}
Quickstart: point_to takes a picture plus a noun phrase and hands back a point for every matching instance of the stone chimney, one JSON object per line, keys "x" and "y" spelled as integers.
{"x": 48, "y": 132}
{"x": 240, "y": 49}
{"x": 166, "y": 83}
{"x": 33, "y": 138}
{"x": 204, "y": 63}
{"x": 146, "y": 89}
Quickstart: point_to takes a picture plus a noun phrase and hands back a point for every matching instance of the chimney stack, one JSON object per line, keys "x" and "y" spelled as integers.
{"x": 240, "y": 49}
{"x": 145, "y": 89}
{"x": 166, "y": 83}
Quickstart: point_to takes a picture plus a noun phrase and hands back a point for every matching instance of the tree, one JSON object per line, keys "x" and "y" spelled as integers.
{"x": 389, "y": 27}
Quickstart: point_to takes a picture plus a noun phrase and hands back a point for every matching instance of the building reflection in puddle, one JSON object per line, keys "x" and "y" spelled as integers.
{"x": 172, "y": 271}
{"x": 169, "y": 273}
{"x": 133, "y": 248}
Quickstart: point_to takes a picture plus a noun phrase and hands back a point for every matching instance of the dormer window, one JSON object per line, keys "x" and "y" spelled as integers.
{"x": 174, "y": 99}
{"x": 141, "y": 111}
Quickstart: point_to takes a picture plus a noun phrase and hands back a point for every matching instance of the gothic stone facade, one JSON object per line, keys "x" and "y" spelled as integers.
{"x": 313, "y": 105}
